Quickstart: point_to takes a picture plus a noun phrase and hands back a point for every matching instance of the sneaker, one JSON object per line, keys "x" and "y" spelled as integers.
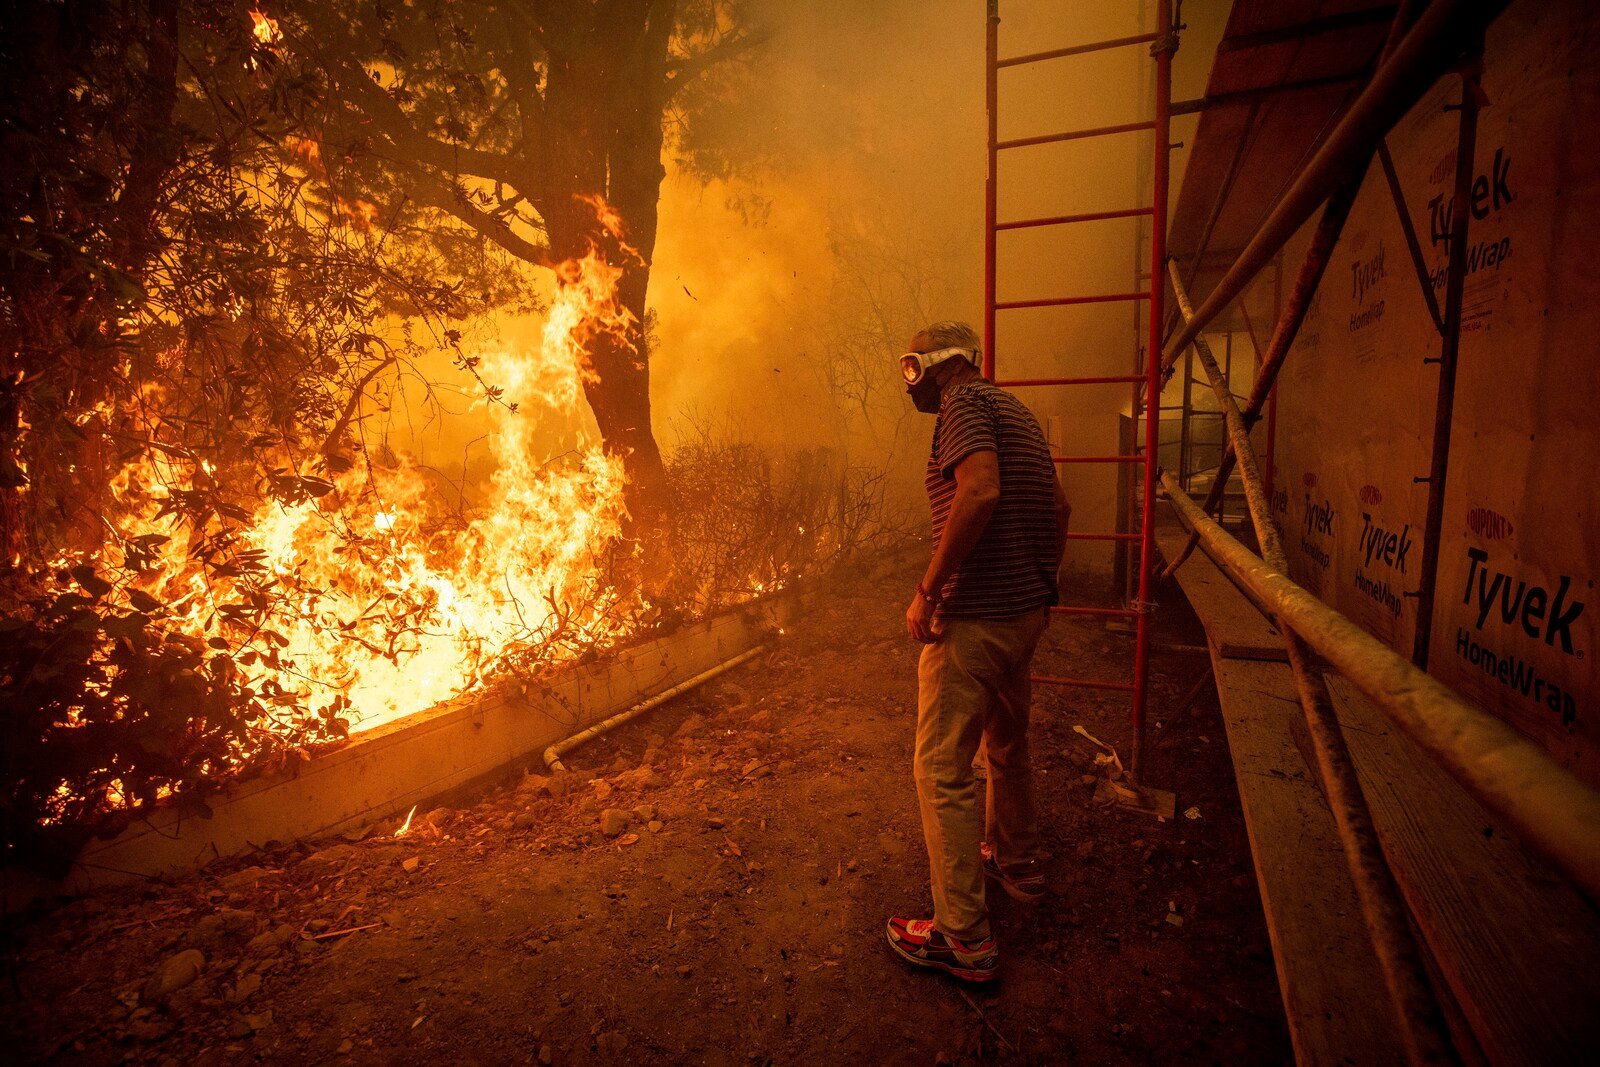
{"x": 1026, "y": 889}
{"x": 918, "y": 942}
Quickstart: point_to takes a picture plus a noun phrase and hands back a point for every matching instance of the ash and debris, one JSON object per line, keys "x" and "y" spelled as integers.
{"x": 707, "y": 884}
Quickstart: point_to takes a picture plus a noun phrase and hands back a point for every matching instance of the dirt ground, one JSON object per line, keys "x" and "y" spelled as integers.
{"x": 736, "y": 918}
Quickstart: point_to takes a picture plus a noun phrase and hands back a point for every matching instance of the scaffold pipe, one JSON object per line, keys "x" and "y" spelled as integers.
{"x": 1545, "y": 805}
{"x": 1416, "y": 1009}
{"x": 1307, "y": 278}
{"x": 1449, "y": 353}
{"x": 1443, "y": 31}
{"x": 1293, "y": 311}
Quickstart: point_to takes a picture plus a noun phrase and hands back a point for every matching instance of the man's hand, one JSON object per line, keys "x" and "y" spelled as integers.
{"x": 919, "y": 620}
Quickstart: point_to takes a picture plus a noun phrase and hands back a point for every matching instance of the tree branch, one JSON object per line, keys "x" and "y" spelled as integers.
{"x": 331, "y": 441}
{"x": 684, "y": 69}
{"x": 521, "y": 77}
{"x": 534, "y": 16}
{"x": 425, "y": 193}
{"x": 395, "y": 125}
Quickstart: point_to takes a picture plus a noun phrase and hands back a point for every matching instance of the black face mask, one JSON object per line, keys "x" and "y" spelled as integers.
{"x": 925, "y": 395}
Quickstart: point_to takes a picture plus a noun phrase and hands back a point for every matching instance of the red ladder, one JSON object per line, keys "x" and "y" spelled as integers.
{"x": 1162, "y": 44}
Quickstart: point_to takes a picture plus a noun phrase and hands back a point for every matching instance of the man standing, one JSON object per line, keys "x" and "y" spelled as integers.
{"x": 999, "y": 529}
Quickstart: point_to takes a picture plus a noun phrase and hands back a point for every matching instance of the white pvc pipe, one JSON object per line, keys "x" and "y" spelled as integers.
{"x": 553, "y": 754}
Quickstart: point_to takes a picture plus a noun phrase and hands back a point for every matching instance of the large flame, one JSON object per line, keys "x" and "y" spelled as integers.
{"x": 377, "y": 606}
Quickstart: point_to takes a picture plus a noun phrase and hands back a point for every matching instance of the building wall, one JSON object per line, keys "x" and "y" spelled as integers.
{"x": 1517, "y": 622}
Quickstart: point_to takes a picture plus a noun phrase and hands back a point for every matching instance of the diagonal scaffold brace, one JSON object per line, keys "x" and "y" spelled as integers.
{"x": 1416, "y": 1010}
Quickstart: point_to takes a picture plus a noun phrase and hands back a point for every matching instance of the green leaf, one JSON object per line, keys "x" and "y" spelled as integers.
{"x": 126, "y": 625}
{"x": 143, "y": 601}
{"x": 91, "y": 582}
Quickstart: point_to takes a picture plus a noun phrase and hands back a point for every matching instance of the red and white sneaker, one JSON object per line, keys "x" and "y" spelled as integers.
{"x": 1024, "y": 888}
{"x": 918, "y": 942}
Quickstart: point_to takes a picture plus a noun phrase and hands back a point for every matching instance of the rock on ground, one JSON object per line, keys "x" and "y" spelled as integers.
{"x": 173, "y": 974}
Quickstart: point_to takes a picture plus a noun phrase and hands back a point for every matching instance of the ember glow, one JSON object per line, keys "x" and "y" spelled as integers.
{"x": 265, "y": 29}
{"x": 378, "y": 606}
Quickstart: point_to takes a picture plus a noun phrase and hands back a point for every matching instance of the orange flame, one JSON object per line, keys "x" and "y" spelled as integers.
{"x": 375, "y": 611}
{"x": 305, "y": 150}
{"x": 265, "y": 29}
{"x": 356, "y": 213}
{"x": 610, "y": 218}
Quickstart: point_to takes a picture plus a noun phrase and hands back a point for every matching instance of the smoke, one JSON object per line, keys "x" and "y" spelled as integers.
{"x": 845, "y": 209}
{"x": 873, "y": 116}
{"x": 851, "y": 215}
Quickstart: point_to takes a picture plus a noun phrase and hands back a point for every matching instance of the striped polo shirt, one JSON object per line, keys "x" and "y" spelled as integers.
{"x": 1012, "y": 569}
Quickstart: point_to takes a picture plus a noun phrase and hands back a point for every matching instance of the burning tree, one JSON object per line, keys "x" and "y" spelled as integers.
{"x": 204, "y": 565}
{"x": 538, "y": 127}
{"x": 231, "y": 231}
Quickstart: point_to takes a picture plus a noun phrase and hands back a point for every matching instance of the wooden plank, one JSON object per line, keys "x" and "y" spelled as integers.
{"x": 1333, "y": 991}
{"x": 1517, "y": 945}
{"x": 1235, "y": 629}
{"x": 1513, "y": 944}
{"x": 1271, "y": 653}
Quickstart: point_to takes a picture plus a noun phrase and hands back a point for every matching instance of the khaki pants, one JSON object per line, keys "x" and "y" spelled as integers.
{"x": 973, "y": 686}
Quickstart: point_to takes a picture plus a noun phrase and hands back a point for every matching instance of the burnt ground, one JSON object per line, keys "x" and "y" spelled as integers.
{"x": 738, "y": 917}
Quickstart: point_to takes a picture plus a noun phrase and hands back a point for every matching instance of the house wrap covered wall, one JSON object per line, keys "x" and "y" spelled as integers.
{"x": 1517, "y": 618}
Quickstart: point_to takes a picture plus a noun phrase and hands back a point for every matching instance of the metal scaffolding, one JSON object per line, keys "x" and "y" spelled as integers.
{"x": 1512, "y": 777}
{"x": 1545, "y": 805}
{"x": 1145, "y": 376}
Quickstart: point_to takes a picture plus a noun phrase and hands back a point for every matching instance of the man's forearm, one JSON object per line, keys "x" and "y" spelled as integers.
{"x": 969, "y": 516}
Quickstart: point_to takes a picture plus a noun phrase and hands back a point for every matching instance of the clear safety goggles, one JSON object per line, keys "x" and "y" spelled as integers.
{"x": 914, "y": 365}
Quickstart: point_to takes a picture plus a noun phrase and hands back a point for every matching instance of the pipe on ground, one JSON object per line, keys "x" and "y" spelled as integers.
{"x": 553, "y": 754}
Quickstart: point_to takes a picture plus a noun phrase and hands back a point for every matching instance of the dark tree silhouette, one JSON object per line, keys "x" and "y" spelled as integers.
{"x": 525, "y": 122}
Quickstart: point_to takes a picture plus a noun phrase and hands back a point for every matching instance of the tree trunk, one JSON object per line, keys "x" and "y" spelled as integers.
{"x": 604, "y": 102}
{"x": 153, "y": 146}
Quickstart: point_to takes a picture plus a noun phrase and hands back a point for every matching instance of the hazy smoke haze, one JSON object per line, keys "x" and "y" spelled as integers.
{"x": 853, "y": 211}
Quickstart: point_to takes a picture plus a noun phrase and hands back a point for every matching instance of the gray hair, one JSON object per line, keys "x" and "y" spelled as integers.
{"x": 948, "y": 334}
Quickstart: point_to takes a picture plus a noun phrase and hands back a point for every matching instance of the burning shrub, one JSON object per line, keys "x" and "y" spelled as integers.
{"x": 747, "y": 521}
{"x": 204, "y": 566}
{"x": 107, "y": 711}
{"x": 208, "y": 638}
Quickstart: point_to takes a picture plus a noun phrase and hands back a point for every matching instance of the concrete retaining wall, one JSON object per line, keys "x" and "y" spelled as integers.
{"x": 419, "y": 758}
